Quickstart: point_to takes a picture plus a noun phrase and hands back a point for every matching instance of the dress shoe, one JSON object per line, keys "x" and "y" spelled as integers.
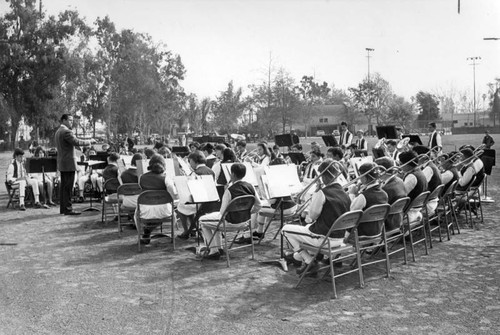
{"x": 50, "y": 203}
{"x": 22, "y": 207}
{"x": 215, "y": 256}
{"x": 258, "y": 236}
{"x": 145, "y": 240}
{"x": 243, "y": 240}
{"x": 38, "y": 205}
{"x": 72, "y": 213}
{"x": 183, "y": 236}
{"x": 313, "y": 269}
{"x": 291, "y": 260}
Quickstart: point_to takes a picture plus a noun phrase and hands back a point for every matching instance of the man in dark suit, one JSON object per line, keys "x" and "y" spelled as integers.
{"x": 66, "y": 164}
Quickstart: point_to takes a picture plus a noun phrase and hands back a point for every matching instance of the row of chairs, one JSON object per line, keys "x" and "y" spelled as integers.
{"x": 444, "y": 218}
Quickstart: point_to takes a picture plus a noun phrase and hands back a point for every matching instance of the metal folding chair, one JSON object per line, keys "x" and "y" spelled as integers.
{"x": 109, "y": 198}
{"x": 154, "y": 198}
{"x": 337, "y": 253}
{"x": 237, "y": 205}
{"x": 410, "y": 227}
{"x": 436, "y": 194}
{"x": 126, "y": 191}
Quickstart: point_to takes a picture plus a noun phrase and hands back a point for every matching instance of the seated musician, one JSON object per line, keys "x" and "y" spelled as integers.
{"x": 263, "y": 157}
{"x": 111, "y": 170}
{"x": 241, "y": 150}
{"x": 209, "y": 222}
{"x": 392, "y": 150}
{"x": 17, "y": 177}
{"x": 414, "y": 180}
{"x": 311, "y": 169}
{"x": 326, "y": 206}
{"x": 225, "y": 156}
{"x": 49, "y": 179}
{"x": 187, "y": 212}
{"x": 361, "y": 142}
{"x": 473, "y": 166}
{"x": 130, "y": 175}
{"x": 93, "y": 175}
{"x": 337, "y": 154}
{"x": 194, "y": 146}
{"x": 393, "y": 185}
{"x": 368, "y": 194}
{"x": 277, "y": 152}
{"x": 208, "y": 151}
{"x": 155, "y": 179}
{"x": 450, "y": 172}
{"x": 433, "y": 176}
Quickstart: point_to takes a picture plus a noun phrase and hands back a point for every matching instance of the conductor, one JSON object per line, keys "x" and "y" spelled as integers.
{"x": 66, "y": 164}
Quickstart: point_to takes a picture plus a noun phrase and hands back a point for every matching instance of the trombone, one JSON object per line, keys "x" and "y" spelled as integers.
{"x": 298, "y": 196}
{"x": 475, "y": 155}
{"x": 382, "y": 171}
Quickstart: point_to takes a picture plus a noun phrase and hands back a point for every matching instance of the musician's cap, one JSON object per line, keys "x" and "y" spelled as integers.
{"x": 360, "y": 131}
{"x": 432, "y": 124}
{"x": 18, "y": 152}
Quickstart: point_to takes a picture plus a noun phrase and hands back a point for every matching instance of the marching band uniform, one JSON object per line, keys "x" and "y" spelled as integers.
{"x": 434, "y": 138}
{"x": 433, "y": 177}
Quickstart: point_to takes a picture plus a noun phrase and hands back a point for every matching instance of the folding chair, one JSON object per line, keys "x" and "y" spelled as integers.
{"x": 109, "y": 200}
{"x": 375, "y": 215}
{"x": 237, "y": 205}
{"x": 276, "y": 213}
{"x": 393, "y": 236}
{"x": 336, "y": 253}
{"x": 12, "y": 192}
{"x": 436, "y": 194}
{"x": 126, "y": 197}
{"x": 463, "y": 196}
{"x": 417, "y": 204}
{"x": 474, "y": 197}
{"x": 445, "y": 208}
{"x": 154, "y": 198}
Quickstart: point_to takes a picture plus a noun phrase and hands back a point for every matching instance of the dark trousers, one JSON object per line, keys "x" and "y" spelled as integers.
{"x": 66, "y": 191}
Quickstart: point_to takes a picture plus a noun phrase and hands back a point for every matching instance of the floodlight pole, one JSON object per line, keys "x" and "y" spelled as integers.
{"x": 368, "y": 57}
{"x": 474, "y": 59}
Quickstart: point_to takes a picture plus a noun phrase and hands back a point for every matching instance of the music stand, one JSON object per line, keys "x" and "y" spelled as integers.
{"x": 94, "y": 162}
{"x": 41, "y": 165}
{"x": 297, "y": 157}
{"x": 387, "y": 132}
{"x": 180, "y": 151}
{"x": 330, "y": 140}
{"x": 414, "y": 139}
{"x": 283, "y": 140}
{"x": 360, "y": 153}
{"x": 489, "y": 160}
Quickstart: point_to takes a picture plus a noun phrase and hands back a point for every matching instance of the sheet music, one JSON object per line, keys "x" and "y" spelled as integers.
{"x": 127, "y": 160}
{"x": 170, "y": 167}
{"x": 184, "y": 166}
{"x": 283, "y": 180}
{"x": 203, "y": 189}
{"x": 181, "y": 185}
{"x": 142, "y": 166}
{"x": 262, "y": 183}
{"x": 121, "y": 165}
{"x": 249, "y": 176}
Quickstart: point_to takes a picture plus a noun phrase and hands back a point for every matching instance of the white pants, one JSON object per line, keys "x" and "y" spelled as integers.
{"x": 266, "y": 213}
{"x": 208, "y": 224}
{"x": 22, "y": 183}
{"x": 296, "y": 235}
{"x": 94, "y": 178}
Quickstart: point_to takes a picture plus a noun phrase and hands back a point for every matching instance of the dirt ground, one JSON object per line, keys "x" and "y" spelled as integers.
{"x": 74, "y": 275}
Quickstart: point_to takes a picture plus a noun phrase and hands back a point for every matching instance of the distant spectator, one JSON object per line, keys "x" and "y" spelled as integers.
{"x": 488, "y": 140}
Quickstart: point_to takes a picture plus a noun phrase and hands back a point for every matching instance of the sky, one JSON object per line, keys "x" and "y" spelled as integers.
{"x": 418, "y": 44}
